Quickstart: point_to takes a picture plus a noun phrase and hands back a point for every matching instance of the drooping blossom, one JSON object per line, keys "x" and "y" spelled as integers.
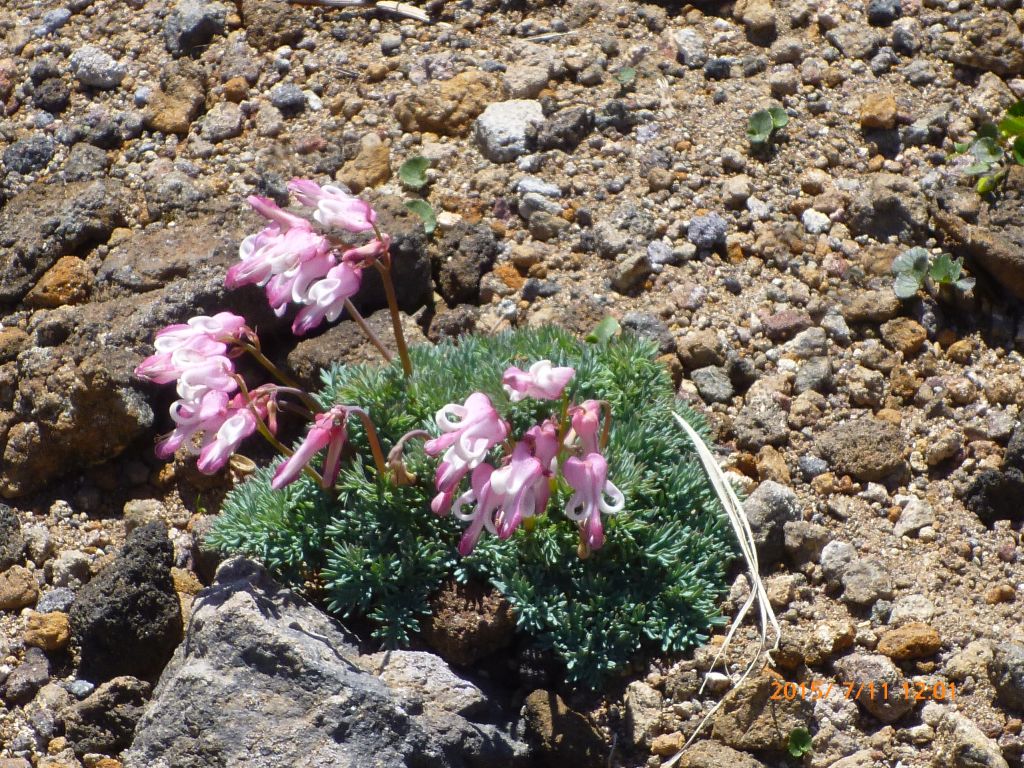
{"x": 335, "y": 208}
{"x": 465, "y": 443}
{"x": 239, "y": 422}
{"x": 504, "y": 497}
{"x": 294, "y": 285}
{"x": 191, "y": 417}
{"x": 366, "y": 254}
{"x": 594, "y": 495}
{"x": 272, "y": 252}
{"x": 185, "y": 345}
{"x": 274, "y": 213}
{"x": 328, "y": 431}
{"x": 544, "y": 442}
{"x": 326, "y": 298}
{"x": 586, "y": 424}
{"x": 543, "y": 381}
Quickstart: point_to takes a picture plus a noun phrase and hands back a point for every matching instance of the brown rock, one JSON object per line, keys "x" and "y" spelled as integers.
{"x": 961, "y": 351}
{"x": 990, "y": 41}
{"x": 371, "y": 167}
{"x": 699, "y": 349}
{"x": 180, "y": 98}
{"x": 12, "y": 341}
{"x": 468, "y": 622}
{"x": 786, "y": 324}
{"x": 1001, "y": 593}
{"x": 868, "y": 449}
{"x": 18, "y": 589}
{"x": 904, "y": 335}
{"x": 450, "y": 109}
{"x": 269, "y": 24}
{"x": 878, "y": 110}
{"x": 996, "y": 245}
{"x": 772, "y": 466}
{"x": 710, "y": 754}
{"x": 185, "y": 582}
{"x": 828, "y": 639}
{"x": 69, "y": 281}
{"x": 566, "y": 737}
{"x": 750, "y": 719}
{"x": 911, "y": 641}
{"x": 667, "y": 744}
{"x": 870, "y": 306}
{"x": 49, "y": 631}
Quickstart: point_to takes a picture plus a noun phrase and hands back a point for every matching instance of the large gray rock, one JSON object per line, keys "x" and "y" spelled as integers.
{"x": 192, "y": 24}
{"x": 1007, "y": 674}
{"x": 257, "y": 655}
{"x": 502, "y": 130}
{"x": 48, "y": 221}
{"x": 961, "y": 744}
{"x": 769, "y": 509}
{"x": 868, "y": 449}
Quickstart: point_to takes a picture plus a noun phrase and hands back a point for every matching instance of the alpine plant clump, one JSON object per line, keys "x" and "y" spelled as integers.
{"x": 549, "y": 468}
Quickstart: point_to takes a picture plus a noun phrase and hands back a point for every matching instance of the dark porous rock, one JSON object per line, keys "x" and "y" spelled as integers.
{"x": 760, "y": 422}
{"x": 1014, "y": 456}
{"x": 257, "y": 654}
{"x": 769, "y": 509}
{"x": 468, "y": 622}
{"x": 1007, "y": 674}
{"x": 127, "y": 620}
{"x": 28, "y": 155}
{"x": 989, "y": 40}
{"x": 346, "y": 343}
{"x": 85, "y": 162}
{"x": 651, "y": 327}
{"x": 453, "y": 323}
{"x": 996, "y": 241}
{"x": 174, "y": 196}
{"x": 867, "y": 449}
{"x": 27, "y": 678}
{"x": 52, "y": 95}
{"x": 192, "y": 24}
{"x": 464, "y": 255}
{"x": 565, "y": 129}
{"x": 48, "y": 221}
{"x": 105, "y": 721}
{"x": 12, "y": 543}
{"x": 410, "y": 264}
{"x": 564, "y": 736}
{"x": 269, "y": 24}
{"x": 889, "y": 205}
{"x": 752, "y": 720}
{"x": 713, "y": 384}
{"x": 996, "y": 495}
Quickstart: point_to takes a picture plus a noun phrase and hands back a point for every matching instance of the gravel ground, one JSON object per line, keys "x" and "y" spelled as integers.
{"x": 597, "y": 152}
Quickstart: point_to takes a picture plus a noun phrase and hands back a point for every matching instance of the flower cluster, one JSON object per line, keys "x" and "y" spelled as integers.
{"x": 195, "y": 355}
{"x": 520, "y": 489}
{"x": 298, "y": 264}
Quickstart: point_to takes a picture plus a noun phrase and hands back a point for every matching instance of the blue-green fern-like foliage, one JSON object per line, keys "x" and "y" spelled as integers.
{"x": 380, "y": 552}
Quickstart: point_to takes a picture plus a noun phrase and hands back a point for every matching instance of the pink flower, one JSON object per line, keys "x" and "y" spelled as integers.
{"x": 271, "y": 211}
{"x": 326, "y": 298}
{"x": 335, "y": 208}
{"x": 275, "y": 254}
{"x": 191, "y": 417}
{"x": 294, "y": 284}
{"x": 542, "y": 381}
{"x": 214, "y": 373}
{"x": 233, "y": 430}
{"x": 544, "y": 440}
{"x": 482, "y": 515}
{"x": 165, "y": 367}
{"x": 328, "y": 431}
{"x": 465, "y": 443}
{"x": 365, "y": 254}
{"x": 586, "y": 423}
{"x": 589, "y": 479}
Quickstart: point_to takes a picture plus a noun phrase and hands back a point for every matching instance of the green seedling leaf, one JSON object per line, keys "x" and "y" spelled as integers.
{"x": 604, "y": 331}
{"x": 626, "y": 75}
{"x": 912, "y": 261}
{"x": 987, "y": 184}
{"x": 906, "y": 285}
{"x": 977, "y": 169}
{"x": 760, "y": 127}
{"x": 1018, "y": 150}
{"x": 961, "y": 146}
{"x": 988, "y": 131}
{"x": 413, "y": 172}
{"x": 1012, "y": 126}
{"x": 422, "y": 209}
{"x": 1017, "y": 110}
{"x": 779, "y": 117}
{"x": 944, "y": 269}
{"x": 799, "y": 742}
{"x": 987, "y": 150}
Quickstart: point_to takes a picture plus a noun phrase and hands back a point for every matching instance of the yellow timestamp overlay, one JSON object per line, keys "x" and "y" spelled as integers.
{"x": 876, "y": 691}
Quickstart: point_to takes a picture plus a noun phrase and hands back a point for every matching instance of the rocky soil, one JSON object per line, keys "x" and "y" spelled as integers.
{"x": 587, "y": 158}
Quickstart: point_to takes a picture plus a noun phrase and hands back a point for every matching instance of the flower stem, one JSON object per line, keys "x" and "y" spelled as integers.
{"x": 373, "y": 337}
{"x": 384, "y": 265}
{"x": 276, "y": 372}
{"x": 606, "y": 431}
